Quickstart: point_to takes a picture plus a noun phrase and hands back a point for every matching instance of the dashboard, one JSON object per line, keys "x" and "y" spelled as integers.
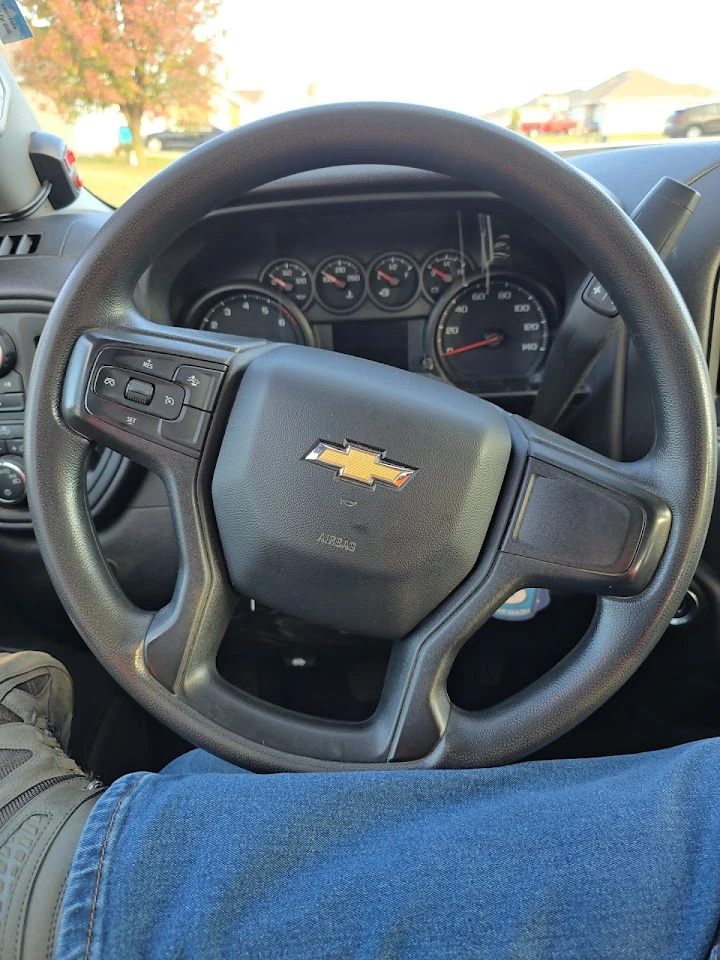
{"x": 469, "y": 292}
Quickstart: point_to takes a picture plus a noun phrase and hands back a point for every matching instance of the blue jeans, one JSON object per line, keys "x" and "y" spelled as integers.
{"x": 615, "y": 858}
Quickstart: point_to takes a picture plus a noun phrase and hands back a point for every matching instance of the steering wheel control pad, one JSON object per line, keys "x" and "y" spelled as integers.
{"x": 353, "y": 494}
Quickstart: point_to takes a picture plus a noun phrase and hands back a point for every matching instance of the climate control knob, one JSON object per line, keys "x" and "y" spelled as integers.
{"x": 8, "y": 353}
{"x": 12, "y": 481}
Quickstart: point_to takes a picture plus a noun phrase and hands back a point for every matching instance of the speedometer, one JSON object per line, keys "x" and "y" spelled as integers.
{"x": 493, "y": 332}
{"x": 250, "y": 311}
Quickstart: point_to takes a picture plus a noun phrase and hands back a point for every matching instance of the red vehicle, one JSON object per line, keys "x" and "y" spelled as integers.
{"x": 556, "y": 124}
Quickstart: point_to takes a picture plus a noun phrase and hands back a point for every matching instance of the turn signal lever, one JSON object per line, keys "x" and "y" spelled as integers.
{"x": 592, "y": 317}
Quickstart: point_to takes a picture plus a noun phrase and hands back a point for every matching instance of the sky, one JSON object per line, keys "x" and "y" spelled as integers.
{"x": 469, "y": 56}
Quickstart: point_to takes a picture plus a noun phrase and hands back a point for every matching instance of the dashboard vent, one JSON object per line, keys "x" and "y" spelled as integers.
{"x": 19, "y": 244}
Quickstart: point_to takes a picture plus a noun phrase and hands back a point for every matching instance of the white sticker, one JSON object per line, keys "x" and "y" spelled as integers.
{"x": 13, "y": 25}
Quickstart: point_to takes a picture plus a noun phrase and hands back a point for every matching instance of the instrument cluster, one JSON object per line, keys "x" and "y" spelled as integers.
{"x": 481, "y": 318}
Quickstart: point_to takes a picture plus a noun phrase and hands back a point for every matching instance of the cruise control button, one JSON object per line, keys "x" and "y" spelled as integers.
{"x": 189, "y": 429}
{"x": 129, "y": 419}
{"x": 152, "y": 364}
{"x": 12, "y": 401}
{"x": 202, "y": 385}
{"x": 139, "y": 391}
{"x": 168, "y": 401}
{"x": 111, "y": 383}
{"x": 11, "y": 383}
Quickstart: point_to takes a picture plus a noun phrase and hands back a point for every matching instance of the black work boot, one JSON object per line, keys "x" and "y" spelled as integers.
{"x": 45, "y": 800}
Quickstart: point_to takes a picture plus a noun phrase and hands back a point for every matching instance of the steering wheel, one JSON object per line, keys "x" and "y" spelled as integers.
{"x": 356, "y": 495}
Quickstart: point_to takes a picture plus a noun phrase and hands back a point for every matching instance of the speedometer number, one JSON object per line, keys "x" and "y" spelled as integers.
{"x": 490, "y": 333}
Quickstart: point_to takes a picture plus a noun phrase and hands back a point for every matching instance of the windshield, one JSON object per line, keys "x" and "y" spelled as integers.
{"x": 131, "y": 84}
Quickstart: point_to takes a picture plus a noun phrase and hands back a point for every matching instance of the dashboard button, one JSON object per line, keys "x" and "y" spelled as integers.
{"x": 168, "y": 401}
{"x": 3, "y": 447}
{"x": 12, "y": 401}
{"x": 12, "y": 482}
{"x": 11, "y": 383}
{"x": 111, "y": 383}
{"x": 153, "y": 364}
{"x": 189, "y": 429}
{"x": 202, "y": 386}
{"x": 13, "y": 446}
{"x": 139, "y": 391}
{"x": 10, "y": 431}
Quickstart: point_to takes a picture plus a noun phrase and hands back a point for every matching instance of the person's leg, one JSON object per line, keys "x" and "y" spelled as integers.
{"x": 199, "y": 761}
{"x": 45, "y": 800}
{"x": 612, "y": 858}
{"x": 600, "y": 858}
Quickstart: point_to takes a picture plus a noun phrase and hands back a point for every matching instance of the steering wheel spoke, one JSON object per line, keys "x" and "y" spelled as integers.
{"x": 582, "y": 521}
{"x": 153, "y": 396}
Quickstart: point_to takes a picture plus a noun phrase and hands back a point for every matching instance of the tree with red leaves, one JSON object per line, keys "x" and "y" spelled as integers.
{"x": 145, "y": 56}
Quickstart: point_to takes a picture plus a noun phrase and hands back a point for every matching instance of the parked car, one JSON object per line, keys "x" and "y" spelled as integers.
{"x": 556, "y": 124}
{"x": 702, "y": 120}
{"x": 181, "y": 140}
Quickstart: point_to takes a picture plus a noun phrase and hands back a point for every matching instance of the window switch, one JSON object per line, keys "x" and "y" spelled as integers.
{"x": 138, "y": 391}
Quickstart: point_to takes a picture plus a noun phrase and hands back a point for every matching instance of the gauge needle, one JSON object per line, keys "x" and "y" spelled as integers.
{"x": 332, "y": 279}
{"x": 281, "y": 283}
{"x": 447, "y": 277}
{"x": 488, "y": 341}
{"x": 393, "y": 281}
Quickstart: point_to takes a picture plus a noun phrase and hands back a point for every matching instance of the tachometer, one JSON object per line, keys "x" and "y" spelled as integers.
{"x": 491, "y": 332}
{"x": 251, "y": 311}
{"x": 290, "y": 278}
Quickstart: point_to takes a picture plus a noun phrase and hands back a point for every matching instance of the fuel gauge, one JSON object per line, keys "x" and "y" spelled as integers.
{"x": 393, "y": 281}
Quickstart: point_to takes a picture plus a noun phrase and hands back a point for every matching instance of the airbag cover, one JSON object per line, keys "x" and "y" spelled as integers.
{"x": 371, "y": 560}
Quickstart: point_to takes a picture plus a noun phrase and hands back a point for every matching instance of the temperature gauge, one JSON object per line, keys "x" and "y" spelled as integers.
{"x": 340, "y": 284}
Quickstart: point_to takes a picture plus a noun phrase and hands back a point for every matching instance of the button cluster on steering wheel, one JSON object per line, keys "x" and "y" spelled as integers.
{"x": 158, "y": 396}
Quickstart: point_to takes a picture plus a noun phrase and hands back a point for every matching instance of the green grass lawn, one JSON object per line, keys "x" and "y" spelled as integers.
{"x": 113, "y": 179}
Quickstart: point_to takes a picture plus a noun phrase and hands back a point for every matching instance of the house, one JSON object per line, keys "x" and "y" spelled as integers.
{"x": 537, "y": 110}
{"x": 634, "y": 102}
{"x": 230, "y": 108}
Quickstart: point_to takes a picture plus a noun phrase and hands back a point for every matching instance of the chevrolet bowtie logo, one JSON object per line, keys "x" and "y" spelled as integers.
{"x": 360, "y": 464}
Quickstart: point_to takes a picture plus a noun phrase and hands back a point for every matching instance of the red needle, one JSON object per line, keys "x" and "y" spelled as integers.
{"x": 281, "y": 283}
{"x": 494, "y": 338}
{"x": 393, "y": 281}
{"x": 447, "y": 277}
{"x": 332, "y": 279}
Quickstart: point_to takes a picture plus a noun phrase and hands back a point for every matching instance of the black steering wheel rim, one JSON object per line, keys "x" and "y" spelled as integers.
{"x": 679, "y": 472}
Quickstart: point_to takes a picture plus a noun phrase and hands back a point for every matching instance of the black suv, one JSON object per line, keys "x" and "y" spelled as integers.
{"x": 702, "y": 120}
